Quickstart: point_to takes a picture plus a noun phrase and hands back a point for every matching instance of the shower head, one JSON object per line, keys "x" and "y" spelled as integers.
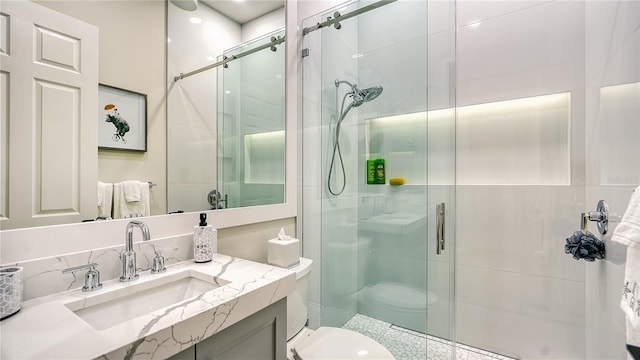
{"x": 361, "y": 96}
{"x": 371, "y": 93}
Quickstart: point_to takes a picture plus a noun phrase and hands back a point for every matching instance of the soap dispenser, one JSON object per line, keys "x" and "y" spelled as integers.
{"x": 203, "y": 242}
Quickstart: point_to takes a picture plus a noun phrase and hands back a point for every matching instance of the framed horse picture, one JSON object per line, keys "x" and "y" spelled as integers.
{"x": 122, "y": 119}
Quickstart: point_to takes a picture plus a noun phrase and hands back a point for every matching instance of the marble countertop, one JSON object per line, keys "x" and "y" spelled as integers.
{"x": 47, "y": 328}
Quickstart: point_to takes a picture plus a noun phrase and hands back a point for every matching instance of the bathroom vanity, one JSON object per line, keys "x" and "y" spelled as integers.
{"x": 259, "y": 336}
{"x": 229, "y": 307}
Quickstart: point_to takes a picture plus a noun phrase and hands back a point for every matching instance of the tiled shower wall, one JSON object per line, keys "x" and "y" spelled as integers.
{"x": 517, "y": 292}
{"x": 612, "y": 56}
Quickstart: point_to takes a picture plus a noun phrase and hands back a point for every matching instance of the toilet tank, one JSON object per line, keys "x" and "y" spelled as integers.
{"x": 297, "y": 301}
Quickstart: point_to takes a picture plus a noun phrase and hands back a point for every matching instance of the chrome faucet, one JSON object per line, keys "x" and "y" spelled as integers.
{"x": 128, "y": 256}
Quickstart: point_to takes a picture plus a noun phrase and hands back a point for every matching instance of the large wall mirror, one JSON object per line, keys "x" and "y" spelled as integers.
{"x": 214, "y": 141}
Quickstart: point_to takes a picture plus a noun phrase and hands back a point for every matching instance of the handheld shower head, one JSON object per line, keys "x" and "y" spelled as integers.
{"x": 361, "y": 96}
{"x": 371, "y": 93}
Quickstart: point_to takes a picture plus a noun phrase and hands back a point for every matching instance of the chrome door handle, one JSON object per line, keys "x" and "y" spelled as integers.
{"x": 439, "y": 228}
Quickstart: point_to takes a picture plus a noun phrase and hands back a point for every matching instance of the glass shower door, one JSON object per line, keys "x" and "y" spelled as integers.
{"x": 379, "y": 109}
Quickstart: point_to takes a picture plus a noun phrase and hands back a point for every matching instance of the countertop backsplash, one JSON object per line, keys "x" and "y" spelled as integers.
{"x": 43, "y": 276}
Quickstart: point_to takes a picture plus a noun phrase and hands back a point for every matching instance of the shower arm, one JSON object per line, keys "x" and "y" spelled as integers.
{"x": 354, "y": 87}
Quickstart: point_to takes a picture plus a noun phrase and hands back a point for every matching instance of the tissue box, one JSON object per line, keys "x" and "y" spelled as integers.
{"x": 283, "y": 253}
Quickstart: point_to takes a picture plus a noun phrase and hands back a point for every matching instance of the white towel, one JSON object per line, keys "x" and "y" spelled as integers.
{"x": 630, "y": 303}
{"x": 132, "y": 189}
{"x": 628, "y": 231}
{"x": 633, "y": 337}
{"x": 105, "y": 198}
{"x": 129, "y": 209}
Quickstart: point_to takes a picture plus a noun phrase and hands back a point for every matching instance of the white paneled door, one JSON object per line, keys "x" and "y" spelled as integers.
{"x": 48, "y": 129}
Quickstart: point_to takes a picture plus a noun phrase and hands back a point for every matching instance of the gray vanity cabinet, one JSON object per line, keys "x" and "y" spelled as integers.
{"x": 260, "y": 336}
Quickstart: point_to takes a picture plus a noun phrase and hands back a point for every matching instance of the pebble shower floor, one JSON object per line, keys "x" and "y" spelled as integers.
{"x": 406, "y": 344}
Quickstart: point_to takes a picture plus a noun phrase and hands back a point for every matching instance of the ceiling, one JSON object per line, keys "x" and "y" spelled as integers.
{"x": 242, "y": 11}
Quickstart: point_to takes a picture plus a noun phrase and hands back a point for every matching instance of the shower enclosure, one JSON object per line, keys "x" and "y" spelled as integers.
{"x": 378, "y": 88}
{"x": 546, "y": 102}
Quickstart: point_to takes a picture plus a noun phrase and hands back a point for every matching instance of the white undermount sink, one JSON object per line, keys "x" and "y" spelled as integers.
{"x": 111, "y": 308}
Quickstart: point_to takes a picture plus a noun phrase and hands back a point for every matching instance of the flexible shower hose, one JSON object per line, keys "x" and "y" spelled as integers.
{"x": 336, "y": 150}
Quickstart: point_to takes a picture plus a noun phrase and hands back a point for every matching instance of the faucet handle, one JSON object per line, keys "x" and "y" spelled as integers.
{"x": 158, "y": 260}
{"x": 91, "y": 278}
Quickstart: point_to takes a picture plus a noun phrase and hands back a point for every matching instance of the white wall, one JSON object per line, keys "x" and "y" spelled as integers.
{"x": 265, "y": 24}
{"x": 517, "y": 293}
{"x": 613, "y": 166}
{"x": 132, "y": 57}
{"x": 514, "y": 283}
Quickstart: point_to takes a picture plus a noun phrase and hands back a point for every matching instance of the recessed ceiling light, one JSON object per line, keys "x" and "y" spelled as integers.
{"x": 358, "y": 55}
{"x": 210, "y": 58}
{"x": 227, "y": 92}
{"x": 195, "y": 20}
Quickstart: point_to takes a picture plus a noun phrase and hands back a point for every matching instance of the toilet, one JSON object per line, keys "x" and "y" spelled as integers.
{"x": 401, "y": 304}
{"x": 325, "y": 342}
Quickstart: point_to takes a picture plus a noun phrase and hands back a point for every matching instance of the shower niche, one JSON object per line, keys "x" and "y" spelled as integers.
{"x": 400, "y": 140}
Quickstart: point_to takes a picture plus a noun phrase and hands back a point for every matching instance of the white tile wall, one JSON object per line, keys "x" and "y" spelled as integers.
{"x": 519, "y": 229}
{"x": 612, "y": 167}
{"x": 523, "y": 141}
{"x": 517, "y": 293}
{"x": 619, "y": 111}
{"x": 613, "y": 47}
{"x": 533, "y": 51}
{"x": 520, "y": 315}
{"x": 264, "y": 24}
{"x": 512, "y": 275}
{"x": 469, "y": 12}
{"x": 605, "y": 325}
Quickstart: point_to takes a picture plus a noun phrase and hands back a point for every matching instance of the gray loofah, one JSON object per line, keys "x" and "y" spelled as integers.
{"x": 584, "y": 246}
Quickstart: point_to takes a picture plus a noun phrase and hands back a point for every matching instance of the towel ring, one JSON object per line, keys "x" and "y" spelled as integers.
{"x": 601, "y": 216}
